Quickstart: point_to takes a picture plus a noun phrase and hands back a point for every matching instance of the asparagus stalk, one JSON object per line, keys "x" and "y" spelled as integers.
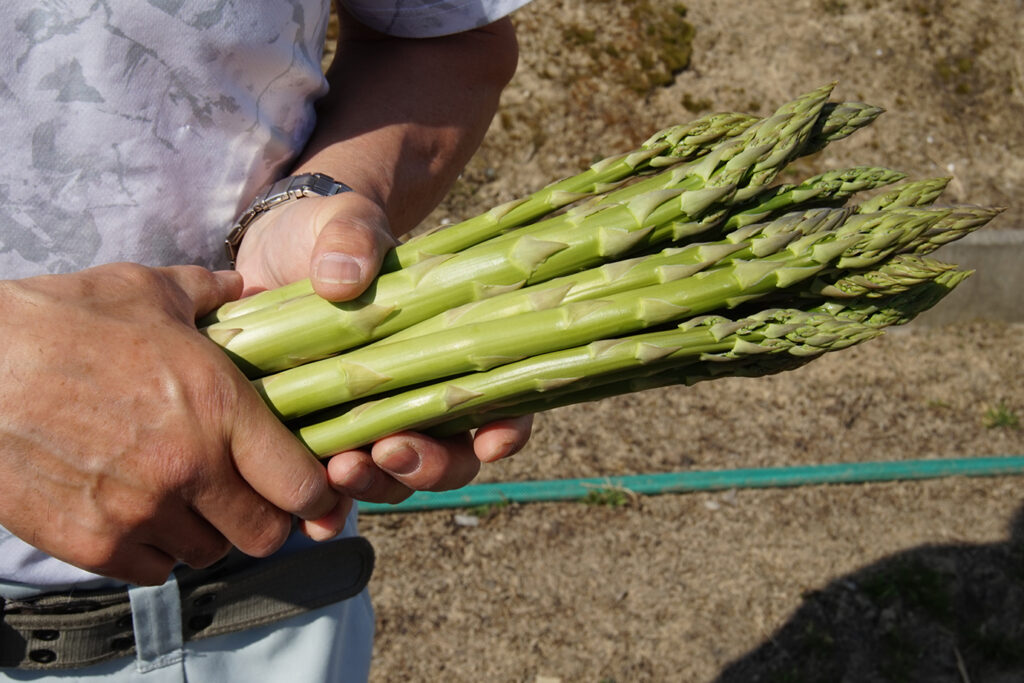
{"x": 685, "y": 261}
{"x": 769, "y": 332}
{"x": 907, "y": 266}
{"x": 961, "y": 221}
{"x": 840, "y": 120}
{"x": 897, "y": 275}
{"x": 862, "y": 240}
{"x": 308, "y": 328}
{"x": 731, "y": 172}
{"x": 898, "y": 309}
{"x": 914, "y": 193}
{"x": 829, "y": 188}
{"x": 684, "y": 374}
{"x": 667, "y": 147}
{"x": 754, "y": 241}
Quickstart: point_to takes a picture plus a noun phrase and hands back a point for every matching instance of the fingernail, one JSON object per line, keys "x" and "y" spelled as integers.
{"x": 359, "y": 479}
{"x": 338, "y": 268}
{"x": 504, "y": 450}
{"x": 319, "y": 530}
{"x": 402, "y": 460}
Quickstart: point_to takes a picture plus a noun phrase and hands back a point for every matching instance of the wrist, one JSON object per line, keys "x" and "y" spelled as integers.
{"x": 367, "y": 169}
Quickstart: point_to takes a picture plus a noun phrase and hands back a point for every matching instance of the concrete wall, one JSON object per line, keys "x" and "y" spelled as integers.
{"x": 995, "y": 291}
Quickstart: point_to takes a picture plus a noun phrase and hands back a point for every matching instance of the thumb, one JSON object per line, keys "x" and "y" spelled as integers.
{"x": 350, "y": 246}
{"x": 203, "y": 290}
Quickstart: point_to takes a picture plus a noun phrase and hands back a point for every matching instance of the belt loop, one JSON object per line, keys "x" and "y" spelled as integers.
{"x": 156, "y": 621}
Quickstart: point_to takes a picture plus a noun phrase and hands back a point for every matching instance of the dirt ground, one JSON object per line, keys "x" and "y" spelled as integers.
{"x": 885, "y": 582}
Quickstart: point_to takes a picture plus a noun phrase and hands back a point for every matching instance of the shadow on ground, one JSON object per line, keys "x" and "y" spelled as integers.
{"x": 934, "y": 613}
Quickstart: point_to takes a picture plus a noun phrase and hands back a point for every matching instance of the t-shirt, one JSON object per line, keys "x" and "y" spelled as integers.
{"x": 136, "y": 130}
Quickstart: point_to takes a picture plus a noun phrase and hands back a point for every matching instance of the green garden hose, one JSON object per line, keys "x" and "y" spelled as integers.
{"x": 703, "y": 480}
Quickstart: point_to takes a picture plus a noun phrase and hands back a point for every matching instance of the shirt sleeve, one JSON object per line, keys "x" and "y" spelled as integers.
{"x": 429, "y": 18}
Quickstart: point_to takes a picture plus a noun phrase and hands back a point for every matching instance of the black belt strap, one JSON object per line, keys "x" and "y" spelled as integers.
{"x": 68, "y": 631}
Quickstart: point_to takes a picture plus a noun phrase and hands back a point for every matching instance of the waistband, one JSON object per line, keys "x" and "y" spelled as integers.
{"x": 72, "y": 630}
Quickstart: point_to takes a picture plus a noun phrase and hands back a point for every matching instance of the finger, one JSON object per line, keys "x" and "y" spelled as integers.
{"x": 244, "y": 517}
{"x": 349, "y": 247}
{"x": 355, "y": 474}
{"x": 188, "y": 538}
{"x": 277, "y": 466}
{"x": 331, "y": 524}
{"x": 502, "y": 438}
{"x": 426, "y": 464}
{"x": 204, "y": 290}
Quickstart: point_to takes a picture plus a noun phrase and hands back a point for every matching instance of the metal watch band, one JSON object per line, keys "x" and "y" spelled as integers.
{"x": 284, "y": 190}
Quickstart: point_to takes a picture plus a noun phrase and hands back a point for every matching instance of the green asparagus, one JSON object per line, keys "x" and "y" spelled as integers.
{"x": 614, "y": 280}
{"x": 861, "y": 240}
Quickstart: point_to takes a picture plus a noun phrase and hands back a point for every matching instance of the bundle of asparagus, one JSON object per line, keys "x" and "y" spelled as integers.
{"x": 676, "y": 263}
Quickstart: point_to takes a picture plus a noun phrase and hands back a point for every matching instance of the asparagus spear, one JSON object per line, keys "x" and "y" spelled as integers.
{"x": 840, "y": 120}
{"x": 914, "y": 193}
{"x": 667, "y": 147}
{"x": 907, "y": 266}
{"x": 897, "y": 275}
{"x": 863, "y": 239}
{"x": 961, "y": 221}
{"x": 309, "y": 328}
{"x": 683, "y": 374}
{"x": 829, "y": 188}
{"x": 755, "y": 241}
{"x": 898, "y": 309}
{"x": 769, "y": 332}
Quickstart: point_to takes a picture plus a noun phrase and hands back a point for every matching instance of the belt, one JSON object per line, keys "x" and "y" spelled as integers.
{"x": 68, "y": 631}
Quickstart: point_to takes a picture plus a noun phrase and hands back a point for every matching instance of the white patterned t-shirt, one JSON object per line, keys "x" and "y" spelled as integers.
{"x": 136, "y": 130}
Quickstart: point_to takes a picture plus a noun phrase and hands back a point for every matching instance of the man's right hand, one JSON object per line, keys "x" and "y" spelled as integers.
{"x": 128, "y": 441}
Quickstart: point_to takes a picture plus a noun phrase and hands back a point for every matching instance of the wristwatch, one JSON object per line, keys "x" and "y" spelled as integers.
{"x": 284, "y": 190}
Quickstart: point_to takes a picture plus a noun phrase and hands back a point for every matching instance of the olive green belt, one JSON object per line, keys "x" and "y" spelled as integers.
{"x": 66, "y": 631}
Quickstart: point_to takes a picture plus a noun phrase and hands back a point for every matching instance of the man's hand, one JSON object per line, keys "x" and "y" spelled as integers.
{"x": 346, "y": 237}
{"x": 128, "y": 441}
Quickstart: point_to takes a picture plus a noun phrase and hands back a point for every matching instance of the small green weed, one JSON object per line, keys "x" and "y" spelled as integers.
{"x": 488, "y": 510}
{"x": 608, "y": 497}
{"x": 1000, "y": 416}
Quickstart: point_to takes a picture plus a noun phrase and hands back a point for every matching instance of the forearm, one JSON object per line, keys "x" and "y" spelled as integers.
{"x": 404, "y": 116}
